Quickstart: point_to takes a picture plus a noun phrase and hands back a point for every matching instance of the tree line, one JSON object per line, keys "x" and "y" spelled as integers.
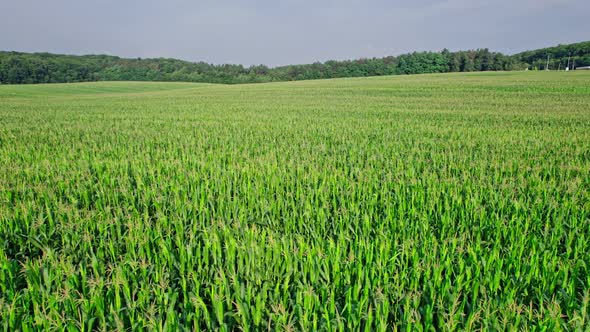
{"x": 560, "y": 57}
{"x": 18, "y": 68}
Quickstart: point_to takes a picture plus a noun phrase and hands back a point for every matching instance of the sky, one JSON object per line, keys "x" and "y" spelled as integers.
{"x": 280, "y": 32}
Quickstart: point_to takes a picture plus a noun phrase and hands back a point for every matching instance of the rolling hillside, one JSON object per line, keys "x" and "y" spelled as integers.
{"x": 421, "y": 202}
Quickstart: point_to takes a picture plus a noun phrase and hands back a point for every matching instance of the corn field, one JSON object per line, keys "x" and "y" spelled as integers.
{"x": 407, "y": 203}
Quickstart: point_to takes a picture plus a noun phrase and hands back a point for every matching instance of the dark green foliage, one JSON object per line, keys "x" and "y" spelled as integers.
{"x": 424, "y": 62}
{"x": 578, "y": 54}
{"x": 18, "y": 68}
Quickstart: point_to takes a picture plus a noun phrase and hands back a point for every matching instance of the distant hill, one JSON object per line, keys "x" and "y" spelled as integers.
{"x": 18, "y": 68}
{"x": 577, "y": 54}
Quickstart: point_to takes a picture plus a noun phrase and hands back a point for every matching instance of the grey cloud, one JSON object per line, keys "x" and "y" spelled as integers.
{"x": 284, "y": 32}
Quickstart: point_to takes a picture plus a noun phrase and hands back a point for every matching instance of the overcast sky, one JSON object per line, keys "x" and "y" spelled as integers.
{"x": 278, "y": 32}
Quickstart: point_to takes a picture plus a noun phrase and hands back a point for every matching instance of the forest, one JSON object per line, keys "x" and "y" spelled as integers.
{"x": 560, "y": 57}
{"x": 28, "y": 68}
